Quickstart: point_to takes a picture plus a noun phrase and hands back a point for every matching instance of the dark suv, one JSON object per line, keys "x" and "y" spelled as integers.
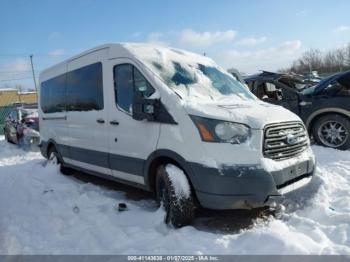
{"x": 324, "y": 107}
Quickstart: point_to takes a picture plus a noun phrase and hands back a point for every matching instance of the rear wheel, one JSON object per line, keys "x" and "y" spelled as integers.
{"x": 332, "y": 131}
{"x": 179, "y": 208}
{"x": 54, "y": 158}
{"x": 6, "y": 136}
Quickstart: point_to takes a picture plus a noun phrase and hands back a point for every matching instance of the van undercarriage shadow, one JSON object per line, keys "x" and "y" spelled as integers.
{"x": 217, "y": 221}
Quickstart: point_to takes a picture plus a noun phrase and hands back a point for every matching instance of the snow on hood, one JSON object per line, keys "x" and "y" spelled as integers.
{"x": 255, "y": 114}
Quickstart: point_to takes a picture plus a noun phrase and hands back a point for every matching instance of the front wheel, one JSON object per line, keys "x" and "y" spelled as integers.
{"x": 332, "y": 131}
{"x": 175, "y": 196}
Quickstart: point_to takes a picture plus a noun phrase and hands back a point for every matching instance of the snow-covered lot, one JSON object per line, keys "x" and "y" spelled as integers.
{"x": 44, "y": 212}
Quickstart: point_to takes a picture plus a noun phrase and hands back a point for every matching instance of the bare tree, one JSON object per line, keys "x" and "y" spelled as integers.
{"x": 340, "y": 55}
{"x": 330, "y": 61}
{"x": 324, "y": 62}
{"x": 19, "y": 88}
{"x": 347, "y": 53}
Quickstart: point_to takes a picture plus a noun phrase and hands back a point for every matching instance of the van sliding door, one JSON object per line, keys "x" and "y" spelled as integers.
{"x": 87, "y": 113}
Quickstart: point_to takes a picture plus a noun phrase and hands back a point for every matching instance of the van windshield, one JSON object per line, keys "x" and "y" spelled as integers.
{"x": 190, "y": 75}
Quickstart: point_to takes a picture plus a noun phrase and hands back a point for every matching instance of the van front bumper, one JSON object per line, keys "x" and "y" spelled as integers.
{"x": 246, "y": 187}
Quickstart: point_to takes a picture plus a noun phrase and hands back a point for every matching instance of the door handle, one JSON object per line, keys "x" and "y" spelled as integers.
{"x": 100, "y": 121}
{"x": 114, "y": 122}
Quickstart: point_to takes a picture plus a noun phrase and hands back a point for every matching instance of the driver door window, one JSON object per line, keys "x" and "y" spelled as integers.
{"x": 127, "y": 79}
{"x": 268, "y": 91}
{"x": 272, "y": 92}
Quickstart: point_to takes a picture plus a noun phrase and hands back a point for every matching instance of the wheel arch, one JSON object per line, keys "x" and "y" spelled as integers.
{"x": 322, "y": 112}
{"x": 163, "y": 156}
{"x": 46, "y": 147}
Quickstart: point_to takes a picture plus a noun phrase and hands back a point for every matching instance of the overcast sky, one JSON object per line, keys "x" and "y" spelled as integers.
{"x": 248, "y": 35}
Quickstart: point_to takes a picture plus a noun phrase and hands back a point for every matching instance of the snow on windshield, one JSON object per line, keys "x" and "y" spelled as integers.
{"x": 190, "y": 75}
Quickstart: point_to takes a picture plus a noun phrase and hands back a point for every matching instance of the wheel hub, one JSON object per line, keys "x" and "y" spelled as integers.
{"x": 333, "y": 133}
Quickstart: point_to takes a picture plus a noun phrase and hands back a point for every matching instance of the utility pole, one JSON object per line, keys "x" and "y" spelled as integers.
{"x": 36, "y": 89}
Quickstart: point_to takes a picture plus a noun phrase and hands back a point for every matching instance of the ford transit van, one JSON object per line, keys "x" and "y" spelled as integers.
{"x": 171, "y": 122}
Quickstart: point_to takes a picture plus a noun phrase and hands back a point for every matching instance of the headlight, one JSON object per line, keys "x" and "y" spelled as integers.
{"x": 212, "y": 130}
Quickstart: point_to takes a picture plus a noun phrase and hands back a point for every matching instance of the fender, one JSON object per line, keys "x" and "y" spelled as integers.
{"x": 172, "y": 155}
{"x": 325, "y": 110}
{"x": 44, "y": 147}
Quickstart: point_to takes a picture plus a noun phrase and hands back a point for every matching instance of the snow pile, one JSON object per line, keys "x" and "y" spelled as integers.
{"x": 44, "y": 212}
{"x": 179, "y": 181}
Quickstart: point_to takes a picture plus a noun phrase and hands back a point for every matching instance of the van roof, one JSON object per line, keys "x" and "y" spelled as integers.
{"x": 120, "y": 49}
{"x": 99, "y": 47}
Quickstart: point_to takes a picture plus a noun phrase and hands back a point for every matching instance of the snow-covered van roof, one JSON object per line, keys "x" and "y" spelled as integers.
{"x": 190, "y": 75}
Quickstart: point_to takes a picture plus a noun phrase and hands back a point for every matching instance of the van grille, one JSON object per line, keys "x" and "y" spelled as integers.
{"x": 284, "y": 140}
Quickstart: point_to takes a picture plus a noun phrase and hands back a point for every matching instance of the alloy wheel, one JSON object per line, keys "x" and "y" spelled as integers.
{"x": 332, "y": 133}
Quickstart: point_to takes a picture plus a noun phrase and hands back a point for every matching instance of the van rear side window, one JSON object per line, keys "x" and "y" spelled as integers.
{"x": 85, "y": 88}
{"x": 78, "y": 90}
{"x": 53, "y": 94}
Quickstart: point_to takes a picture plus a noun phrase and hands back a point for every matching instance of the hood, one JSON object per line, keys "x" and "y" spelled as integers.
{"x": 254, "y": 114}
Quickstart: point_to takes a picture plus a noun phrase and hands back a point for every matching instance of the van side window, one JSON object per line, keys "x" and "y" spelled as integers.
{"x": 127, "y": 79}
{"x": 124, "y": 86}
{"x": 53, "y": 94}
{"x": 85, "y": 88}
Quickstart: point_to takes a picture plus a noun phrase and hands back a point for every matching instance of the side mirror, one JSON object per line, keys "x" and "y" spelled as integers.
{"x": 143, "y": 108}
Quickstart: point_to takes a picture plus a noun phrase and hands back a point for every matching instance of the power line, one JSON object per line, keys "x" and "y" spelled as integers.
{"x": 15, "y": 71}
{"x": 26, "y": 55}
{"x": 14, "y": 79}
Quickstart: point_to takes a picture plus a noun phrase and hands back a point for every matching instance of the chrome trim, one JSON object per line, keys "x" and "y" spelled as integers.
{"x": 276, "y": 144}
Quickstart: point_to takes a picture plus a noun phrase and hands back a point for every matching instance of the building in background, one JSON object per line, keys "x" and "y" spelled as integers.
{"x": 8, "y": 97}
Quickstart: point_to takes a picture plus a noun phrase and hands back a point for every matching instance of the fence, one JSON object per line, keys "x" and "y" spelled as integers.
{"x": 8, "y": 97}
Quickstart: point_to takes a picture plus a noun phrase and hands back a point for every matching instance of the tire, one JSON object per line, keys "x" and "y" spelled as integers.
{"x": 54, "y": 158}
{"x": 7, "y": 139}
{"x": 179, "y": 210}
{"x": 6, "y": 136}
{"x": 333, "y": 131}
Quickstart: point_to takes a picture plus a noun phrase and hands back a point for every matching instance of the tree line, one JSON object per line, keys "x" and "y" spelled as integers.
{"x": 327, "y": 62}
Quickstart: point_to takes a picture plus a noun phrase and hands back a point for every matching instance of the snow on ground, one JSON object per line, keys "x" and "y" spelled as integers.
{"x": 44, "y": 212}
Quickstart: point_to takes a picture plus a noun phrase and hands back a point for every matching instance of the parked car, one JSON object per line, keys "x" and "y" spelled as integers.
{"x": 324, "y": 107}
{"x": 22, "y": 125}
{"x": 312, "y": 78}
{"x": 174, "y": 123}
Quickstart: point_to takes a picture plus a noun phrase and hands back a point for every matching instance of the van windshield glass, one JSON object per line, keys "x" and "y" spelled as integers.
{"x": 191, "y": 76}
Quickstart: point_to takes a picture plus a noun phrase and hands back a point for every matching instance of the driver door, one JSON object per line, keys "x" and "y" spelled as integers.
{"x": 130, "y": 141}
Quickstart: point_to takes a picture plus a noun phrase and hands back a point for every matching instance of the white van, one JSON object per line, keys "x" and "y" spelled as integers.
{"x": 174, "y": 123}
